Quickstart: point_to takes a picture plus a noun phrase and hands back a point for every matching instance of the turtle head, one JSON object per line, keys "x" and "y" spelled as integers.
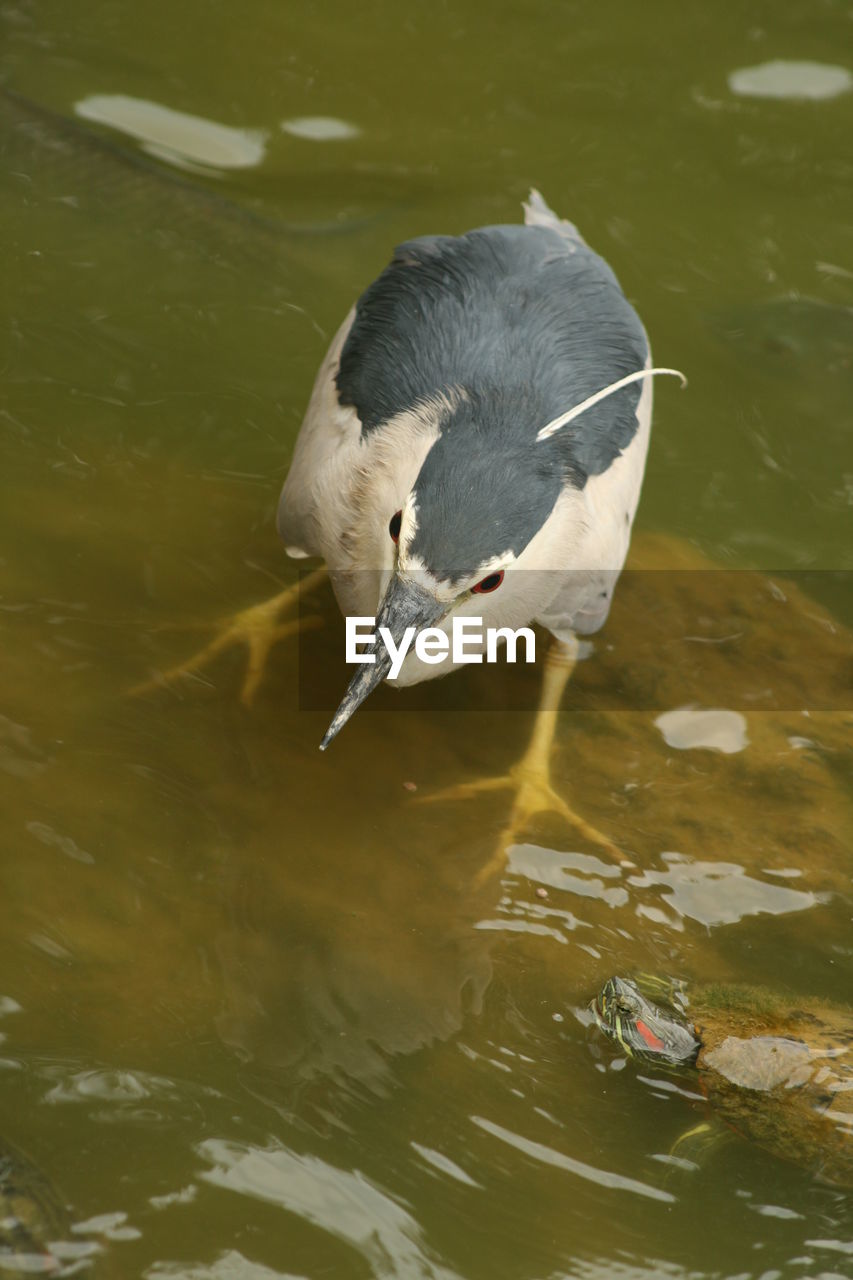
{"x": 643, "y": 1029}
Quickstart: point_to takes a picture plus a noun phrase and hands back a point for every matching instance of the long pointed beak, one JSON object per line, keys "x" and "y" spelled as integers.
{"x": 405, "y": 605}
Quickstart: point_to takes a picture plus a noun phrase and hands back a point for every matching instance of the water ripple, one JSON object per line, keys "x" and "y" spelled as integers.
{"x": 547, "y": 1155}
{"x": 346, "y": 1204}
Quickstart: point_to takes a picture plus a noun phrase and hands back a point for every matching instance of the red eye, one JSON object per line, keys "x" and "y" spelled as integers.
{"x": 491, "y": 583}
{"x": 394, "y": 526}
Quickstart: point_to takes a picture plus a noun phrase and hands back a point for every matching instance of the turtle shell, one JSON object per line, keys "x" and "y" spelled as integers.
{"x": 782, "y": 1075}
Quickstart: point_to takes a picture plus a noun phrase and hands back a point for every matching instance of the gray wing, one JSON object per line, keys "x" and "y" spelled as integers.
{"x": 524, "y": 318}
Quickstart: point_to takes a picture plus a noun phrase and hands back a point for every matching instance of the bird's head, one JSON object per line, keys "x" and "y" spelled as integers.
{"x": 475, "y": 533}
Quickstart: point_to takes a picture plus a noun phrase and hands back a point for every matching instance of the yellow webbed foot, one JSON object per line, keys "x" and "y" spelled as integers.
{"x": 534, "y": 795}
{"x": 530, "y": 779}
{"x": 259, "y": 628}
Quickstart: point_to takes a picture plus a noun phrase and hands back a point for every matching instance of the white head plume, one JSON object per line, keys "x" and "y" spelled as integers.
{"x": 565, "y": 418}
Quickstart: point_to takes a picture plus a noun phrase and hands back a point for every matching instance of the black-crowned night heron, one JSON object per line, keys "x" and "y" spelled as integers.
{"x": 474, "y": 445}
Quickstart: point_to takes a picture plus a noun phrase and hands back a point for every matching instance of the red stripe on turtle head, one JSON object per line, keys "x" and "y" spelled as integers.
{"x": 649, "y": 1037}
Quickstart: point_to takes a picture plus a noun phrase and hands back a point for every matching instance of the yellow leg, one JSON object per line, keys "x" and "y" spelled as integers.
{"x": 530, "y": 779}
{"x": 258, "y": 628}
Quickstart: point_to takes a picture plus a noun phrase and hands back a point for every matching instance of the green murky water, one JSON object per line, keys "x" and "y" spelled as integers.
{"x": 257, "y": 1019}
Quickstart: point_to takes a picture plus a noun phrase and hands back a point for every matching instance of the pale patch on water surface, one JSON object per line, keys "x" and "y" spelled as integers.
{"x": 177, "y": 137}
{"x": 838, "y": 1246}
{"x": 784, "y": 79}
{"x": 121, "y": 1097}
{"x": 443, "y": 1164}
{"x": 47, "y": 835}
{"x": 562, "y": 870}
{"x": 112, "y": 1226}
{"x": 76, "y": 1254}
{"x": 346, "y": 1204}
{"x": 547, "y": 1155}
{"x": 184, "y": 1196}
{"x": 662, "y": 1086}
{"x": 555, "y": 869}
{"x": 715, "y": 893}
{"x": 19, "y": 756}
{"x": 776, "y": 1211}
{"x": 107, "y": 1086}
{"x": 320, "y": 128}
{"x": 609, "y": 1269}
{"x": 711, "y": 728}
{"x": 50, "y": 947}
{"x": 711, "y": 893}
{"x": 228, "y": 1266}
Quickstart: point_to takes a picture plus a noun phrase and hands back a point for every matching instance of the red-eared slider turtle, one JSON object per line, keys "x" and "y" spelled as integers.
{"x": 32, "y": 1218}
{"x": 779, "y": 1072}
